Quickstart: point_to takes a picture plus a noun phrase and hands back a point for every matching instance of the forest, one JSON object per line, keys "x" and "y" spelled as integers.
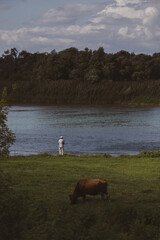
{"x": 73, "y": 76}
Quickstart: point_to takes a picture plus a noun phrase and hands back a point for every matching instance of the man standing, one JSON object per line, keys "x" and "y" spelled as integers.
{"x": 61, "y": 145}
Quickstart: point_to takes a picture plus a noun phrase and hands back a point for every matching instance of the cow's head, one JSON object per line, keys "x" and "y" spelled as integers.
{"x": 73, "y": 199}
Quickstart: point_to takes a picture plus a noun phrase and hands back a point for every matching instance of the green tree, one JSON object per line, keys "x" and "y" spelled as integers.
{"x": 7, "y": 137}
{"x": 96, "y": 64}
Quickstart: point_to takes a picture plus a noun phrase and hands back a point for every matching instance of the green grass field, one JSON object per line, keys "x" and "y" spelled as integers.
{"x": 34, "y": 200}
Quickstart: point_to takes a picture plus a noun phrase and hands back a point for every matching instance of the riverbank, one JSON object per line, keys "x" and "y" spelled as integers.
{"x": 114, "y": 105}
{"x": 37, "y": 205}
{"x": 55, "y": 153}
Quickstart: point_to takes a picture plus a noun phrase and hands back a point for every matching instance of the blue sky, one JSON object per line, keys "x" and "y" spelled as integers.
{"x": 44, "y": 25}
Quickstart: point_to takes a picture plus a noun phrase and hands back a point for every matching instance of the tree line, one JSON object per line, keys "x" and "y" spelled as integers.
{"x": 84, "y": 65}
{"x": 38, "y": 73}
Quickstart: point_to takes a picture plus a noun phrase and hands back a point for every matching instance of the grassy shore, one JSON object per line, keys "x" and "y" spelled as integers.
{"x": 34, "y": 200}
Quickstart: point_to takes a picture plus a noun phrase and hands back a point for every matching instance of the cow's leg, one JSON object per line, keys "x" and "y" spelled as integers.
{"x": 102, "y": 196}
{"x": 108, "y": 196}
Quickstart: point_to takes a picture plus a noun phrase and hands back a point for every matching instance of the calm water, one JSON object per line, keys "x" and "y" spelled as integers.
{"x": 85, "y": 130}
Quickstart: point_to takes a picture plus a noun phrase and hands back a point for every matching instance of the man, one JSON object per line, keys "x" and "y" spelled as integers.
{"x": 61, "y": 145}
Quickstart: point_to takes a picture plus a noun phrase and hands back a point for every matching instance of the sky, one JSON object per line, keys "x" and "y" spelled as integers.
{"x": 115, "y": 25}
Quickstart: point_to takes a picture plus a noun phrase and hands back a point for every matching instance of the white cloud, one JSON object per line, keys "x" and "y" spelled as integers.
{"x": 86, "y": 29}
{"x": 36, "y": 38}
{"x": 48, "y": 34}
{"x": 8, "y": 37}
{"x": 69, "y": 13}
{"x": 151, "y": 15}
{"x": 135, "y": 33}
{"x": 123, "y": 31}
{"x": 130, "y": 20}
{"x": 132, "y": 25}
{"x": 126, "y": 2}
{"x": 46, "y": 41}
{"x": 116, "y": 11}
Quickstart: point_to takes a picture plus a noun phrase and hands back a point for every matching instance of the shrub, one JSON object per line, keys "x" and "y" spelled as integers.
{"x": 7, "y": 137}
{"x": 149, "y": 154}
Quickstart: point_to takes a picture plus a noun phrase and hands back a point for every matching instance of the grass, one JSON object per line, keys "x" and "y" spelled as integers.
{"x": 38, "y": 208}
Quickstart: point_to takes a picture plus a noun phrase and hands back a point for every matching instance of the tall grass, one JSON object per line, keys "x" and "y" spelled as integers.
{"x": 75, "y": 92}
{"x": 38, "y": 204}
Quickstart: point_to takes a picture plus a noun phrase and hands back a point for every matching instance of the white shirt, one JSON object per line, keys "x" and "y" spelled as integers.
{"x": 61, "y": 142}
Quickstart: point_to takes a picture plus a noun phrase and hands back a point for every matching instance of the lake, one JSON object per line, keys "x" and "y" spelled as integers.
{"x": 113, "y": 130}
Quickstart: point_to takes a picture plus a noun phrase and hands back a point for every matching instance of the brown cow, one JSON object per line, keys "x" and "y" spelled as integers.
{"x": 91, "y": 187}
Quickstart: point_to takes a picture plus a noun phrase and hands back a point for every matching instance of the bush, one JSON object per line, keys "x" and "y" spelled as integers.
{"x": 7, "y": 137}
{"x": 149, "y": 154}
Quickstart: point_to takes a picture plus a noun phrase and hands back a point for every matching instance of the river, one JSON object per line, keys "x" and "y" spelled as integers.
{"x": 90, "y": 130}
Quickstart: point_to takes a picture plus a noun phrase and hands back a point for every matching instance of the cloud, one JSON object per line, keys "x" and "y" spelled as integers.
{"x": 49, "y": 41}
{"x": 151, "y": 16}
{"x": 37, "y": 36}
{"x": 129, "y": 20}
{"x": 122, "y": 12}
{"x": 126, "y": 2}
{"x": 118, "y": 11}
{"x": 85, "y": 29}
{"x": 67, "y": 14}
{"x": 131, "y": 25}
